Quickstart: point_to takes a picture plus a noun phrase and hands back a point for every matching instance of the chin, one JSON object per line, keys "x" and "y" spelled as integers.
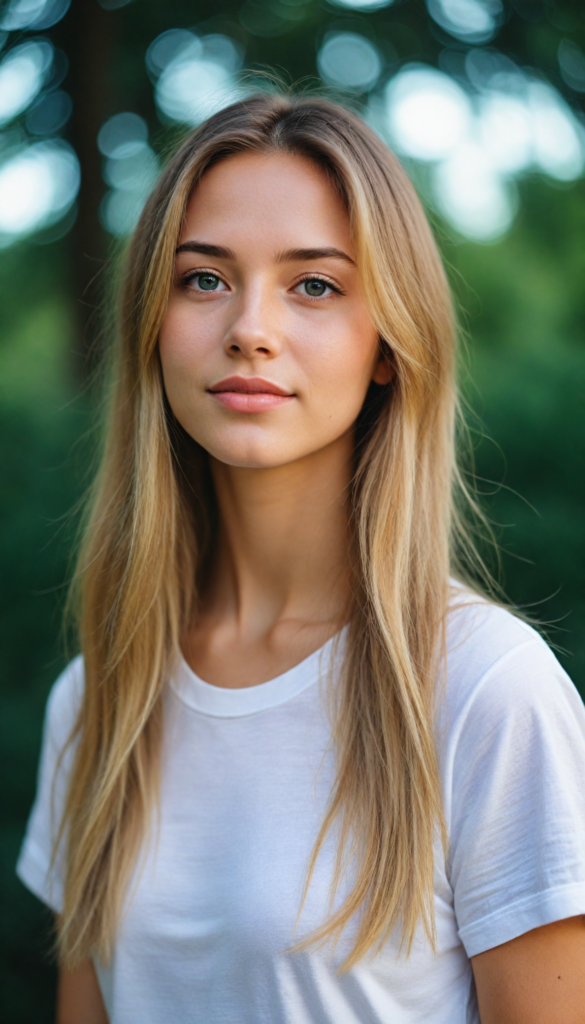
{"x": 251, "y": 460}
{"x": 254, "y": 455}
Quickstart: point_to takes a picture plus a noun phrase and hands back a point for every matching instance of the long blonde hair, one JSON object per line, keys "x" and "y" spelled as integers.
{"x": 151, "y": 526}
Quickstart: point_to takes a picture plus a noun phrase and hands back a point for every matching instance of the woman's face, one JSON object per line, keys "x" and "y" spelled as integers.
{"x": 267, "y": 347}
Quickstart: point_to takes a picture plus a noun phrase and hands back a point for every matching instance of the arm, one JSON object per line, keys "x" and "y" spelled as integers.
{"x": 538, "y": 978}
{"x": 79, "y": 999}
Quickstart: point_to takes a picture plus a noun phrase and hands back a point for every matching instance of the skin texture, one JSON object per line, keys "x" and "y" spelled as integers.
{"x": 538, "y": 978}
{"x": 79, "y": 1000}
{"x": 280, "y": 584}
{"x": 260, "y": 321}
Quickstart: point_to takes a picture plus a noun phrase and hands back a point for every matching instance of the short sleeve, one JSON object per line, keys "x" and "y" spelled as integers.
{"x": 36, "y": 867}
{"x": 515, "y": 799}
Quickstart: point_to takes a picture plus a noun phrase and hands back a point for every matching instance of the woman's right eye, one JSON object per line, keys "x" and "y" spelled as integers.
{"x": 206, "y": 282}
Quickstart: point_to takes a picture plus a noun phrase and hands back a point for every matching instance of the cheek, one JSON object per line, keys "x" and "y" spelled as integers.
{"x": 181, "y": 358}
{"x": 179, "y": 345}
{"x": 339, "y": 366}
{"x": 328, "y": 359}
{"x": 184, "y": 350}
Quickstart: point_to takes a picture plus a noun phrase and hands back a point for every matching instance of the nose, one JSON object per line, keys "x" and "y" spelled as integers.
{"x": 254, "y": 331}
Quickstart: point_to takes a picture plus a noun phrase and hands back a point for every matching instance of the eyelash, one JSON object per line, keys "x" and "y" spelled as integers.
{"x": 191, "y": 275}
{"x": 319, "y": 277}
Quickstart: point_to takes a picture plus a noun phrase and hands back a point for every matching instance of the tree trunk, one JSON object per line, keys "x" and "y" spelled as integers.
{"x": 87, "y": 35}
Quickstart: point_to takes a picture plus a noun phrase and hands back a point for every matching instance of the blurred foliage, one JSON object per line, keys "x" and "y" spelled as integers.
{"x": 522, "y": 307}
{"x": 39, "y": 429}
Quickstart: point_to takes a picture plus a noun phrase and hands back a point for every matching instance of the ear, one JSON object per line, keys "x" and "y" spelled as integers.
{"x": 384, "y": 371}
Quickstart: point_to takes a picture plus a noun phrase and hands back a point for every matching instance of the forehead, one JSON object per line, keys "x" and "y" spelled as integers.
{"x": 278, "y": 196}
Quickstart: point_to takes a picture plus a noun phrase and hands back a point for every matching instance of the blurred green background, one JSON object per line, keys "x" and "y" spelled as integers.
{"x": 508, "y": 209}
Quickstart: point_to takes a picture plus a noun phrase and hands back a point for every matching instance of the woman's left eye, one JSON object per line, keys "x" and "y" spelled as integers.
{"x": 314, "y": 288}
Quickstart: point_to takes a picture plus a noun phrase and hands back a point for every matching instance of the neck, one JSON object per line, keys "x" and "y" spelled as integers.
{"x": 283, "y": 543}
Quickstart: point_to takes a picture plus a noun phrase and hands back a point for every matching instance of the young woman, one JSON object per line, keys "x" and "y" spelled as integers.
{"x": 312, "y": 776}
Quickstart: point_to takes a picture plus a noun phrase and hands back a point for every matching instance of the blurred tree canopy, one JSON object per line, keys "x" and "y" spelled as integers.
{"x": 100, "y": 57}
{"x": 522, "y": 309}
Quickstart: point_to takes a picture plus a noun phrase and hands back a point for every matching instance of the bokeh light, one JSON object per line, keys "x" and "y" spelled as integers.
{"x": 169, "y": 45}
{"x": 472, "y": 195}
{"x": 428, "y": 113}
{"x": 22, "y": 75}
{"x": 572, "y": 64}
{"x": 195, "y": 75}
{"x": 473, "y": 21}
{"x": 32, "y": 14}
{"x": 558, "y": 147}
{"x": 479, "y": 139}
{"x": 120, "y": 134}
{"x": 38, "y": 185}
{"x": 478, "y": 125}
{"x": 49, "y": 114}
{"x": 505, "y": 131}
{"x": 130, "y": 169}
{"x": 363, "y": 5}
{"x": 349, "y": 61}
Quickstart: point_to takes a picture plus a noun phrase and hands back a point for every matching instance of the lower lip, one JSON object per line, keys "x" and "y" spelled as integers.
{"x": 245, "y": 401}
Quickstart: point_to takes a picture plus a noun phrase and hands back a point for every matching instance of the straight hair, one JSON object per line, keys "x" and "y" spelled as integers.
{"x": 150, "y": 530}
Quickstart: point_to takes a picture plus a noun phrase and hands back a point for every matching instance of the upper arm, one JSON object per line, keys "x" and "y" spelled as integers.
{"x": 79, "y": 999}
{"x": 537, "y": 978}
{"x": 515, "y": 801}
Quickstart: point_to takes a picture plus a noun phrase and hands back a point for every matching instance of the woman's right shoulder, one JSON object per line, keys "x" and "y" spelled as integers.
{"x": 39, "y": 866}
{"x": 64, "y": 702}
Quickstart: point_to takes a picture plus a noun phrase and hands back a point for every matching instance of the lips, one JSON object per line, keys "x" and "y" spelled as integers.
{"x": 249, "y": 394}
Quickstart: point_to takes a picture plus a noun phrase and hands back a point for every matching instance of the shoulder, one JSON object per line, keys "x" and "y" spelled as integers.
{"x": 504, "y": 688}
{"x": 41, "y": 865}
{"x": 511, "y": 747}
{"x": 64, "y": 702}
{"x": 494, "y": 659}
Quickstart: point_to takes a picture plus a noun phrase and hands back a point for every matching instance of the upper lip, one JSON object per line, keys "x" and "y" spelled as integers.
{"x": 250, "y": 385}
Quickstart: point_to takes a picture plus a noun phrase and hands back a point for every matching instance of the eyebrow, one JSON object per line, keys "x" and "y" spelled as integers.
{"x": 328, "y": 253}
{"x": 205, "y": 249}
{"x": 287, "y": 256}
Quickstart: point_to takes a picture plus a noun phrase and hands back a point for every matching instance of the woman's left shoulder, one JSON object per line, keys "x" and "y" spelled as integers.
{"x": 498, "y": 664}
{"x": 511, "y": 746}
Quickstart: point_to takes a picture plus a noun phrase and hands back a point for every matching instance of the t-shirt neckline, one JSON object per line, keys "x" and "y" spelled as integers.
{"x": 221, "y": 702}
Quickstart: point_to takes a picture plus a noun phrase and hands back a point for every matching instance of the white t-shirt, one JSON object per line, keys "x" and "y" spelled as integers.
{"x": 246, "y": 777}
